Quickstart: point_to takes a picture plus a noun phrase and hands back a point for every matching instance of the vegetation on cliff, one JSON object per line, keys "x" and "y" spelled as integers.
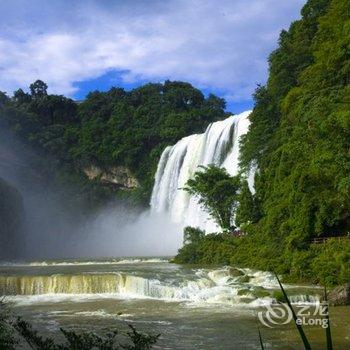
{"x": 109, "y": 129}
{"x": 302, "y": 181}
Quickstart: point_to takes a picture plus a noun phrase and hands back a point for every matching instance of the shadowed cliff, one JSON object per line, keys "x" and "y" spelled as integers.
{"x": 11, "y": 221}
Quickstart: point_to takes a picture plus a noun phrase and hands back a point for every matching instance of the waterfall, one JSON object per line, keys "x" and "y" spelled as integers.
{"x": 219, "y": 145}
{"x": 60, "y": 284}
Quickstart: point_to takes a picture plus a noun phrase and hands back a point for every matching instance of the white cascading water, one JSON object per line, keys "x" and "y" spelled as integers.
{"x": 226, "y": 285}
{"x": 219, "y": 145}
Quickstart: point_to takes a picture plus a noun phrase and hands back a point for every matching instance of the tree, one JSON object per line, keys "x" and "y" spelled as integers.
{"x": 38, "y": 89}
{"x": 21, "y": 97}
{"x": 217, "y": 193}
{"x": 113, "y": 128}
{"x": 3, "y": 98}
{"x": 193, "y": 235}
{"x": 248, "y": 210}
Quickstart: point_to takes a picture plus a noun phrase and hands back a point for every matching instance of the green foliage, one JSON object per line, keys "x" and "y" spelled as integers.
{"x": 299, "y": 140}
{"x": 211, "y": 249}
{"x": 114, "y": 128}
{"x": 217, "y": 192}
{"x": 140, "y": 341}
{"x": 326, "y": 263}
{"x": 192, "y": 235}
{"x": 38, "y": 89}
{"x": 331, "y": 261}
{"x": 132, "y": 128}
{"x": 285, "y": 64}
{"x": 12, "y": 218}
{"x": 248, "y": 210}
{"x": 300, "y": 129}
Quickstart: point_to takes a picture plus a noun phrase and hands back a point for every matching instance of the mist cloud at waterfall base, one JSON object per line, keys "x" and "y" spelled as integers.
{"x": 114, "y": 232}
{"x": 111, "y": 234}
{"x": 54, "y": 231}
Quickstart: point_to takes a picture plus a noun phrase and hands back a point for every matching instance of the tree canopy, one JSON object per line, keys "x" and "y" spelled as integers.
{"x": 217, "y": 192}
{"x": 299, "y": 134}
{"x": 113, "y": 128}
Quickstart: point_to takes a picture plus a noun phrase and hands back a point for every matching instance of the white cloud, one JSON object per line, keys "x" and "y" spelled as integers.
{"x": 214, "y": 44}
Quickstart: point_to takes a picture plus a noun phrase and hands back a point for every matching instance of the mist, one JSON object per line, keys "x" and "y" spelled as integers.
{"x": 53, "y": 232}
{"x": 115, "y": 234}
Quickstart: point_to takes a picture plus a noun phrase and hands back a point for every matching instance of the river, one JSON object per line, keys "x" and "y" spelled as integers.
{"x": 191, "y": 307}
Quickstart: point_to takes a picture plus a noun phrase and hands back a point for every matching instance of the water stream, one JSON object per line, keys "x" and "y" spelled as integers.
{"x": 193, "y": 308}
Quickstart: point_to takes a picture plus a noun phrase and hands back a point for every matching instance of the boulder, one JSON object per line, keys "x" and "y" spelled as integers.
{"x": 340, "y": 295}
{"x": 233, "y": 272}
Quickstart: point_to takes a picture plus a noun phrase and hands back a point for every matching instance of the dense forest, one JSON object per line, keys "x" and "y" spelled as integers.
{"x": 107, "y": 129}
{"x": 299, "y": 142}
{"x": 300, "y": 135}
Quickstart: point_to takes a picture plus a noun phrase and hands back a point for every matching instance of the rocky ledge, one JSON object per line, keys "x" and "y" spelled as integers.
{"x": 118, "y": 176}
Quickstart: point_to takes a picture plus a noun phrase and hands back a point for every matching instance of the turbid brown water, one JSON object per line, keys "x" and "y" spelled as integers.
{"x": 191, "y": 308}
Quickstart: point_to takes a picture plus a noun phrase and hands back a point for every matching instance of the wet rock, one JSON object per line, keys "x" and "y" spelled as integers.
{"x": 340, "y": 295}
{"x": 244, "y": 279}
{"x": 246, "y": 300}
{"x": 244, "y": 291}
{"x": 233, "y": 272}
{"x": 261, "y": 293}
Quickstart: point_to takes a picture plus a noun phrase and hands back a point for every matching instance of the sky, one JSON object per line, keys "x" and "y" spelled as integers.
{"x": 220, "y": 46}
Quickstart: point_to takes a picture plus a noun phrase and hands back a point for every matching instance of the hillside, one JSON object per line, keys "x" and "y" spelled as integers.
{"x": 299, "y": 136}
{"x": 111, "y": 141}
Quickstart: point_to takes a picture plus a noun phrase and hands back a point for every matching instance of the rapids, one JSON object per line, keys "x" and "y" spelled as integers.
{"x": 192, "y": 308}
{"x": 143, "y": 278}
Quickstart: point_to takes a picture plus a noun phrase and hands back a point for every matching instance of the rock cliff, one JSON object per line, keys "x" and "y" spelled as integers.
{"x": 118, "y": 176}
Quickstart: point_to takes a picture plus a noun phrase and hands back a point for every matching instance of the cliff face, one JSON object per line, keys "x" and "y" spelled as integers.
{"x": 11, "y": 220}
{"x": 119, "y": 176}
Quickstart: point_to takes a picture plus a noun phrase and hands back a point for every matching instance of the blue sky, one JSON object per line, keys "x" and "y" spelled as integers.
{"x": 77, "y": 46}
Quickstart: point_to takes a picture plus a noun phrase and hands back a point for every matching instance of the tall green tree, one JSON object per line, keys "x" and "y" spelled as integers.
{"x": 38, "y": 89}
{"x": 248, "y": 210}
{"x": 217, "y": 193}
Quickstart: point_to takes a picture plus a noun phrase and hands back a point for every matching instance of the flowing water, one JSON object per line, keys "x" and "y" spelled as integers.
{"x": 192, "y": 308}
{"x": 219, "y": 145}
